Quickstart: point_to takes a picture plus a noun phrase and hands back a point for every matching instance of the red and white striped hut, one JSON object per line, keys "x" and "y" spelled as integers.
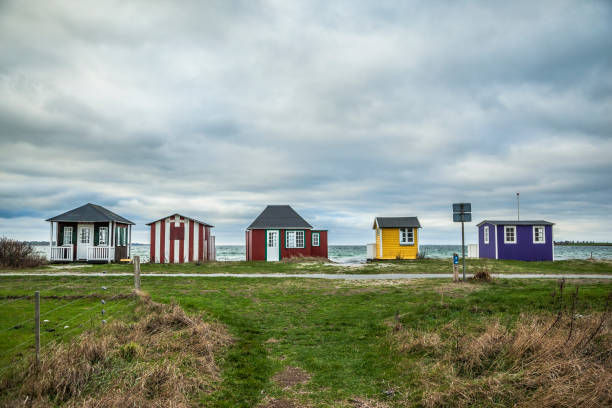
{"x": 179, "y": 239}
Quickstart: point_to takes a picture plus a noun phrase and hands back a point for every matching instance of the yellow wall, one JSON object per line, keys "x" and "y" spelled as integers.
{"x": 391, "y": 247}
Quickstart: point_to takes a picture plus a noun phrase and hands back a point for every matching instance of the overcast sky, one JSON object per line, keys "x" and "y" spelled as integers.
{"x": 345, "y": 110}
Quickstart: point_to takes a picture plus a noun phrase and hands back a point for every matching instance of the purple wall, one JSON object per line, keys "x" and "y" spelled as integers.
{"x": 525, "y": 249}
{"x": 486, "y": 250}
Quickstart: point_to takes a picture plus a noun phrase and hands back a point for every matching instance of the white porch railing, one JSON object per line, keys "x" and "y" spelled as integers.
{"x": 61, "y": 253}
{"x": 100, "y": 253}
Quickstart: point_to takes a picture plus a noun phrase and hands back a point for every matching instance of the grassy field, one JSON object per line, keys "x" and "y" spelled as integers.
{"x": 309, "y": 266}
{"x": 298, "y": 342}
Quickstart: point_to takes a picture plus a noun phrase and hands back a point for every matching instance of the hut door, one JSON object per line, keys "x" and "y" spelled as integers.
{"x": 84, "y": 240}
{"x": 272, "y": 246}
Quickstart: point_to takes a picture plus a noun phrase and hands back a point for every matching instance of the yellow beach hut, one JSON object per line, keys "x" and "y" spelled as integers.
{"x": 396, "y": 237}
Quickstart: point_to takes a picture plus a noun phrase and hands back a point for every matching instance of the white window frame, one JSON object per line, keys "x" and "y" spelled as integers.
{"x": 316, "y": 242}
{"x": 543, "y": 241}
{"x": 292, "y": 243}
{"x": 506, "y": 228}
{"x": 100, "y": 241}
{"x": 409, "y": 231}
{"x": 486, "y": 234}
{"x": 69, "y": 235}
{"x": 88, "y": 234}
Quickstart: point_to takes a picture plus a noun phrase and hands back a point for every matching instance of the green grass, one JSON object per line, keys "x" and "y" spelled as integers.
{"x": 336, "y": 330}
{"x": 410, "y": 266}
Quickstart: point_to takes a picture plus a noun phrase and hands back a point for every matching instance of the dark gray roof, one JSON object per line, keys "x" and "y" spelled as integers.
{"x": 397, "y": 222}
{"x": 90, "y": 213}
{"x": 279, "y": 216}
{"x": 537, "y": 222}
{"x": 189, "y": 218}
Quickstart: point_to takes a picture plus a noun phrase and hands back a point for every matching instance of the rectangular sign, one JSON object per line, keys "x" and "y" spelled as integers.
{"x": 466, "y": 217}
{"x": 462, "y": 207}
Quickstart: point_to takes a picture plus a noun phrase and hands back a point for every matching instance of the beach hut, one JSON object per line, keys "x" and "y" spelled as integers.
{"x": 279, "y": 233}
{"x": 179, "y": 239}
{"x": 396, "y": 238}
{"x": 89, "y": 233}
{"x": 518, "y": 240}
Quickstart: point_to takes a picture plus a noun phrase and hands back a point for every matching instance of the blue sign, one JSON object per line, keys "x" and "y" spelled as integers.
{"x": 462, "y": 217}
{"x": 462, "y": 207}
{"x": 455, "y": 259}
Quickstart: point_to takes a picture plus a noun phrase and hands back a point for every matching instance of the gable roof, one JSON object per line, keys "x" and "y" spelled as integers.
{"x": 279, "y": 216}
{"x": 90, "y": 213}
{"x": 396, "y": 222}
{"x": 189, "y": 218}
{"x": 538, "y": 222}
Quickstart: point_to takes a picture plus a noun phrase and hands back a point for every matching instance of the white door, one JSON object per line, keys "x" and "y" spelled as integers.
{"x": 84, "y": 240}
{"x": 272, "y": 246}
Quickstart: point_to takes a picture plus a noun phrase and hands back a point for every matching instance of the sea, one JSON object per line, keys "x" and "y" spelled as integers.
{"x": 351, "y": 254}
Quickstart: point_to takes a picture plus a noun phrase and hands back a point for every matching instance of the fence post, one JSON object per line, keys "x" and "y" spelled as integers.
{"x": 137, "y": 272}
{"x": 37, "y": 324}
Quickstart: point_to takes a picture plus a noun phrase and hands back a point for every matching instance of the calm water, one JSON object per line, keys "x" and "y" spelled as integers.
{"x": 357, "y": 253}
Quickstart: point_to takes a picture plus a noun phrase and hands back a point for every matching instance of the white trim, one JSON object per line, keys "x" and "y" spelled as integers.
{"x": 533, "y": 229}
{"x": 177, "y": 222}
{"x": 381, "y": 241}
{"x": 407, "y": 242}
{"x": 186, "y": 241}
{"x": 485, "y": 232}
{"x": 496, "y": 241}
{"x": 196, "y": 241}
{"x": 64, "y": 235}
{"x": 552, "y": 242}
{"x": 318, "y": 235}
{"x": 295, "y": 239}
{"x": 166, "y": 254}
{"x": 100, "y": 236}
{"x": 156, "y": 254}
{"x": 510, "y": 227}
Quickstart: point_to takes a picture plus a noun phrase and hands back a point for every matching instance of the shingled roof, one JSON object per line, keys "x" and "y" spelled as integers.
{"x": 526, "y": 222}
{"x": 397, "y": 222}
{"x": 90, "y": 213}
{"x": 279, "y": 216}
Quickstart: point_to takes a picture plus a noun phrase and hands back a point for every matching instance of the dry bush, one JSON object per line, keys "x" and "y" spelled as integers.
{"x": 555, "y": 361}
{"x": 482, "y": 275}
{"x": 18, "y": 254}
{"x": 161, "y": 360}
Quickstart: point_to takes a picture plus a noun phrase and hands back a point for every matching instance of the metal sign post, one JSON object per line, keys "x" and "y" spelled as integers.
{"x": 462, "y": 212}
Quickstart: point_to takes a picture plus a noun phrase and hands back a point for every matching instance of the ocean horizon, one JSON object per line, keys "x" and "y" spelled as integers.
{"x": 357, "y": 253}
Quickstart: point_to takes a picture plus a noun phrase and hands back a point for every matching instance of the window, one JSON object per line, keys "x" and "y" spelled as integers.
{"x": 103, "y": 236}
{"x": 510, "y": 234}
{"x": 121, "y": 236}
{"x": 406, "y": 236}
{"x": 315, "y": 239}
{"x": 67, "y": 235}
{"x": 85, "y": 232}
{"x": 539, "y": 236}
{"x": 294, "y": 239}
{"x": 272, "y": 239}
{"x": 486, "y": 234}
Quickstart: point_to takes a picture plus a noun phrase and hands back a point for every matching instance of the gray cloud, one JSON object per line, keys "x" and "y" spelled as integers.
{"x": 345, "y": 110}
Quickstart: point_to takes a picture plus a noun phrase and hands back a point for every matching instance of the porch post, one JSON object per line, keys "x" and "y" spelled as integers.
{"x": 108, "y": 242}
{"x": 129, "y": 254}
{"x": 50, "y": 239}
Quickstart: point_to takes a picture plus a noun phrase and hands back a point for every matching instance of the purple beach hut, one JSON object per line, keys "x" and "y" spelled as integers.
{"x": 518, "y": 240}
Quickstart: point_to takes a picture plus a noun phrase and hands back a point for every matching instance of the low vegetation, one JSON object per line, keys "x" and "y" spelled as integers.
{"x": 162, "y": 358}
{"x": 543, "y": 361}
{"x": 315, "y": 343}
{"x": 18, "y": 254}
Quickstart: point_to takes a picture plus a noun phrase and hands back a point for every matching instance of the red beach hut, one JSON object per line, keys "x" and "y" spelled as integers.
{"x": 179, "y": 239}
{"x": 279, "y": 233}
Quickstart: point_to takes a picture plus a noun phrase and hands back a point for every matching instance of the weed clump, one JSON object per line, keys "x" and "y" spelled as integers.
{"x": 544, "y": 361}
{"x": 163, "y": 358}
{"x": 18, "y": 254}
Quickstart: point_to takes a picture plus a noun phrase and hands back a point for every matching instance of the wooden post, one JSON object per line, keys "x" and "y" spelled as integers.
{"x": 463, "y": 247}
{"x": 137, "y": 272}
{"x": 37, "y": 324}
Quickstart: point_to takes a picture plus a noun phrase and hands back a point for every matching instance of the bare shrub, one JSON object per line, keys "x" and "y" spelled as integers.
{"x": 164, "y": 358}
{"x": 482, "y": 275}
{"x": 18, "y": 254}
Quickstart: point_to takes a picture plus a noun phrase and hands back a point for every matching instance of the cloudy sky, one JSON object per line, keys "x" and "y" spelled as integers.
{"x": 345, "y": 110}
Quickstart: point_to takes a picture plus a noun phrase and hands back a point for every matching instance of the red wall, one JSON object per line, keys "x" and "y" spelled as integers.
{"x": 255, "y": 241}
{"x": 321, "y": 250}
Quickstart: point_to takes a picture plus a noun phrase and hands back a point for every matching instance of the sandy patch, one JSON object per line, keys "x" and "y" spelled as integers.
{"x": 291, "y": 376}
{"x": 70, "y": 266}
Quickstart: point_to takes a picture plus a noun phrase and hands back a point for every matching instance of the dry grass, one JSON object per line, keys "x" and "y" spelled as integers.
{"x": 559, "y": 361}
{"x": 162, "y": 360}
